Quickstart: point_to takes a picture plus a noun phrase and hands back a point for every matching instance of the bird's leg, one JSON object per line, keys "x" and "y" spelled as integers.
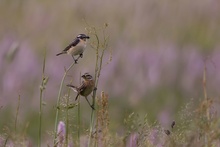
{"x": 94, "y": 93}
{"x": 81, "y": 55}
{"x": 90, "y": 104}
{"x": 75, "y": 59}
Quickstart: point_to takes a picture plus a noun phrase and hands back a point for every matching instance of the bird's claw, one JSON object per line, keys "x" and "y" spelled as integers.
{"x": 95, "y": 89}
{"x": 92, "y": 106}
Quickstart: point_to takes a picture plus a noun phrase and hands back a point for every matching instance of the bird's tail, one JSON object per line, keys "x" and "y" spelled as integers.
{"x": 76, "y": 89}
{"x": 77, "y": 96}
{"x": 73, "y": 87}
{"x": 60, "y": 53}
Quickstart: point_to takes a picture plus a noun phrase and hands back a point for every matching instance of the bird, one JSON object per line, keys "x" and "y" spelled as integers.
{"x": 77, "y": 47}
{"x": 88, "y": 85}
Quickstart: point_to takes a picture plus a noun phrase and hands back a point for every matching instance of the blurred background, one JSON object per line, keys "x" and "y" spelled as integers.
{"x": 159, "y": 49}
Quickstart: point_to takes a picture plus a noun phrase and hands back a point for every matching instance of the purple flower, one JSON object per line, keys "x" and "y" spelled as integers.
{"x": 61, "y": 132}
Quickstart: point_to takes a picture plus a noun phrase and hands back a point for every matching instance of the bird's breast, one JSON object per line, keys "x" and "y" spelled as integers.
{"x": 77, "y": 50}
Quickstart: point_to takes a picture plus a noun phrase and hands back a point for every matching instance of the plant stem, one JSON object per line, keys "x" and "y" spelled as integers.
{"x": 205, "y": 91}
{"x": 42, "y": 87}
{"x": 207, "y": 102}
{"x": 78, "y": 133}
{"x": 67, "y": 119}
{"x": 18, "y": 107}
{"x": 98, "y": 68}
{"x": 58, "y": 101}
{"x": 94, "y": 92}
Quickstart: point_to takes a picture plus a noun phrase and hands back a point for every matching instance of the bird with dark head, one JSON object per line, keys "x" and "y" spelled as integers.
{"x": 77, "y": 47}
{"x": 88, "y": 85}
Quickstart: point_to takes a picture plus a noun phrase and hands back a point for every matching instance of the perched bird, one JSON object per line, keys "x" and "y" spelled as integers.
{"x": 88, "y": 85}
{"x": 77, "y": 47}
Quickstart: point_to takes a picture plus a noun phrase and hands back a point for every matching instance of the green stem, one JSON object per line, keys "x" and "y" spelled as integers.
{"x": 207, "y": 101}
{"x": 40, "y": 119}
{"x": 94, "y": 93}
{"x": 58, "y": 102}
{"x": 42, "y": 87}
{"x": 18, "y": 107}
{"x": 78, "y": 133}
{"x": 67, "y": 119}
{"x": 98, "y": 68}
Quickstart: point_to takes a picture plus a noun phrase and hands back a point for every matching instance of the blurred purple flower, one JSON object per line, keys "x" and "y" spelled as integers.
{"x": 164, "y": 117}
{"x": 61, "y": 132}
{"x": 21, "y": 72}
{"x": 155, "y": 138}
{"x": 132, "y": 140}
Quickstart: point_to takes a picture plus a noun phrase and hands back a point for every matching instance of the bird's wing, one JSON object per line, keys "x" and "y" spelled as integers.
{"x": 74, "y": 43}
{"x": 82, "y": 87}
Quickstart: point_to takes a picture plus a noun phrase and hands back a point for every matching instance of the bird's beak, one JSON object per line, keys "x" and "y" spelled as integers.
{"x": 83, "y": 76}
{"x": 87, "y": 37}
